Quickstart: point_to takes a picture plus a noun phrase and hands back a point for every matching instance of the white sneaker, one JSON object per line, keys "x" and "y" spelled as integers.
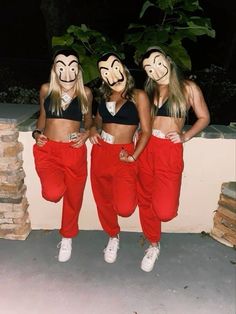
{"x": 110, "y": 252}
{"x": 65, "y": 249}
{"x": 151, "y": 255}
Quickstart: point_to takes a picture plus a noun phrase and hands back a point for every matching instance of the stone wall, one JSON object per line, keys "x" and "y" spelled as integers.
{"x": 224, "y": 228}
{"x": 14, "y": 216}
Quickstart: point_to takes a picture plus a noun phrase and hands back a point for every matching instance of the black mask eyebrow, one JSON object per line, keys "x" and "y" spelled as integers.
{"x": 116, "y": 60}
{"x": 73, "y": 61}
{"x": 147, "y": 54}
{"x": 107, "y": 55}
{"x": 65, "y": 51}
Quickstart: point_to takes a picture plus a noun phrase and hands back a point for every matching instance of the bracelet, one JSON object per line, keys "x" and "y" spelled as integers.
{"x": 36, "y": 131}
{"x": 133, "y": 157}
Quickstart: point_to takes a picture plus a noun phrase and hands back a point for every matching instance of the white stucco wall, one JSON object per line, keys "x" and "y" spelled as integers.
{"x": 208, "y": 163}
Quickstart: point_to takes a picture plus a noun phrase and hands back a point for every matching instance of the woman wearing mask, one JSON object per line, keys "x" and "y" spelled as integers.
{"x": 160, "y": 166}
{"x": 60, "y": 152}
{"x": 113, "y": 165}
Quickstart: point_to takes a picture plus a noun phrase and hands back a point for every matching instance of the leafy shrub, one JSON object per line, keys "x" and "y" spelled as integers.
{"x": 175, "y": 21}
{"x": 19, "y": 95}
{"x": 90, "y": 45}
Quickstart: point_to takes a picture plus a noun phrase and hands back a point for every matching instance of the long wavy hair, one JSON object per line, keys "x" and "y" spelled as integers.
{"x": 177, "y": 103}
{"x": 105, "y": 90}
{"x": 55, "y": 91}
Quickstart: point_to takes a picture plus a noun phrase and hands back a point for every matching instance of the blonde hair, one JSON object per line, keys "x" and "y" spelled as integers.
{"x": 177, "y": 103}
{"x": 56, "y": 93}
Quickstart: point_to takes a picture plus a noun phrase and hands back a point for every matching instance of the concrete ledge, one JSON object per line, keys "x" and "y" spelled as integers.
{"x": 210, "y": 132}
{"x": 24, "y": 116}
{"x": 215, "y": 131}
{"x": 229, "y": 189}
{"x": 219, "y": 131}
{"x": 16, "y": 113}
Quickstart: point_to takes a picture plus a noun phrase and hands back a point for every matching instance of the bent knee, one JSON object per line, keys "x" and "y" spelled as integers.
{"x": 167, "y": 216}
{"x": 53, "y": 195}
{"x": 126, "y": 211}
{"x": 166, "y": 210}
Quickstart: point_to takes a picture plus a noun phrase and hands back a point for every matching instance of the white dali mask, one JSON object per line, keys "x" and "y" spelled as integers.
{"x": 113, "y": 73}
{"x": 157, "y": 67}
{"x": 67, "y": 69}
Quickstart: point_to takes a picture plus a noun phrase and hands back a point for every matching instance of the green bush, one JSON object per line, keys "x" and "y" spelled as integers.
{"x": 90, "y": 45}
{"x": 175, "y": 21}
{"x": 19, "y": 95}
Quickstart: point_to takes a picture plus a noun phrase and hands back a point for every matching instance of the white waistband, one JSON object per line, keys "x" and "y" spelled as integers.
{"x": 158, "y": 133}
{"x": 108, "y": 138}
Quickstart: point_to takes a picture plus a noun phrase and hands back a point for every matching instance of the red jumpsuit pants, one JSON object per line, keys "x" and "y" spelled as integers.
{"x": 62, "y": 170}
{"x": 114, "y": 184}
{"x": 160, "y": 168}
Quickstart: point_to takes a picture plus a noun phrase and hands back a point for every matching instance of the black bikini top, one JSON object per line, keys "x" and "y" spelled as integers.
{"x": 163, "y": 111}
{"x": 72, "y": 112}
{"x": 127, "y": 114}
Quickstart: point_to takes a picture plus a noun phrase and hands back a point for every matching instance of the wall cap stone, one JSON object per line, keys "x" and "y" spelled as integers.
{"x": 215, "y": 131}
{"x": 23, "y": 115}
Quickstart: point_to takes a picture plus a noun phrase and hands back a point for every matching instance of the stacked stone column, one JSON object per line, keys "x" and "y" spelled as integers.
{"x": 224, "y": 228}
{"x": 14, "y": 216}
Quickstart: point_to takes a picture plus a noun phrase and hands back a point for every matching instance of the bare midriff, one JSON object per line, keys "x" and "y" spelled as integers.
{"x": 59, "y": 129}
{"x": 168, "y": 124}
{"x": 123, "y": 134}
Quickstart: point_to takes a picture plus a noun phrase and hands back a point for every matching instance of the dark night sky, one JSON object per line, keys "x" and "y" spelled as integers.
{"x": 23, "y": 31}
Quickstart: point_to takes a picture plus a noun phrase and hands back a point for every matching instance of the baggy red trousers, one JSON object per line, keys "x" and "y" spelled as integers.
{"x": 160, "y": 168}
{"x": 114, "y": 184}
{"x": 62, "y": 170}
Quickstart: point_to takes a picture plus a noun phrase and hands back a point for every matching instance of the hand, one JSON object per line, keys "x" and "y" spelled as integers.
{"x": 175, "y": 137}
{"x": 41, "y": 140}
{"x": 124, "y": 156}
{"x": 80, "y": 139}
{"x": 94, "y": 137}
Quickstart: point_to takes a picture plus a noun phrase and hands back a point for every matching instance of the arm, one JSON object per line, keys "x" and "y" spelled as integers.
{"x": 94, "y": 130}
{"x": 40, "y": 125}
{"x": 83, "y": 136}
{"x": 88, "y": 115}
{"x": 196, "y": 100}
{"x": 143, "y": 108}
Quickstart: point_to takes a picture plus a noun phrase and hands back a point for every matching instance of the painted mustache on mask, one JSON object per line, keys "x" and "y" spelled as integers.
{"x": 118, "y": 81}
{"x": 159, "y": 78}
{"x": 64, "y": 81}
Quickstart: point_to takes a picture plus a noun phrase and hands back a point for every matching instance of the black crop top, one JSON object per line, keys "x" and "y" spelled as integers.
{"x": 164, "y": 112}
{"x": 127, "y": 114}
{"x": 72, "y": 112}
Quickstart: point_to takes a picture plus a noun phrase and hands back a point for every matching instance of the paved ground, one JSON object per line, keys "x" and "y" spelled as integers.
{"x": 194, "y": 275}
